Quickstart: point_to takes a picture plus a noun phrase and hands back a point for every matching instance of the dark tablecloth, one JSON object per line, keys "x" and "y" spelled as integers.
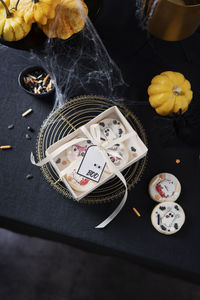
{"x": 33, "y": 207}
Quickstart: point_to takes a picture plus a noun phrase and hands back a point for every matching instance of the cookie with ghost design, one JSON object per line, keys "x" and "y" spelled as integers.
{"x": 118, "y": 155}
{"x": 111, "y": 129}
{"x": 164, "y": 187}
{"x": 168, "y": 217}
{"x": 77, "y": 182}
{"x": 77, "y": 150}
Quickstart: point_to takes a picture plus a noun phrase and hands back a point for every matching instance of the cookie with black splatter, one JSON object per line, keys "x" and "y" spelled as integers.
{"x": 111, "y": 129}
{"x": 168, "y": 217}
{"x": 118, "y": 155}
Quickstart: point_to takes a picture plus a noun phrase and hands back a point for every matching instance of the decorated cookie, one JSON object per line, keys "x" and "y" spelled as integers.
{"x": 111, "y": 129}
{"x": 119, "y": 155}
{"x": 164, "y": 187}
{"x": 77, "y": 150}
{"x": 76, "y": 181}
{"x": 168, "y": 217}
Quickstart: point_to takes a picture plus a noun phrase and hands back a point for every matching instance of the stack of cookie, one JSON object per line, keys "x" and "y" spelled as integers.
{"x": 167, "y": 217}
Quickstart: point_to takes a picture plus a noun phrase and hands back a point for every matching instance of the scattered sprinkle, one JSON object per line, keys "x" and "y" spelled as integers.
{"x": 64, "y": 162}
{"x": 11, "y": 126}
{"x": 30, "y": 129}
{"x": 48, "y": 88}
{"x": 27, "y": 112}
{"x": 157, "y": 197}
{"x": 32, "y": 77}
{"x": 162, "y": 176}
{"x": 134, "y": 154}
{"x": 136, "y": 212}
{"x": 29, "y": 176}
{"x": 45, "y": 79}
{"x": 178, "y": 161}
{"x": 28, "y": 137}
{"x": 133, "y": 149}
{"x": 58, "y": 161}
{"x": 5, "y": 147}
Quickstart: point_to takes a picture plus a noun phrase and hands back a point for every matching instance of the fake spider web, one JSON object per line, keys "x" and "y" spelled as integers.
{"x": 80, "y": 65}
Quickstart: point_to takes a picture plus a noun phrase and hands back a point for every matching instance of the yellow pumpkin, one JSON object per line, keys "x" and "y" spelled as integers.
{"x": 69, "y": 19}
{"x": 12, "y": 25}
{"x": 36, "y": 10}
{"x": 170, "y": 93}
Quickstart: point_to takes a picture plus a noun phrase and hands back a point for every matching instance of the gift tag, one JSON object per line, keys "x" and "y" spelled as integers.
{"x": 92, "y": 165}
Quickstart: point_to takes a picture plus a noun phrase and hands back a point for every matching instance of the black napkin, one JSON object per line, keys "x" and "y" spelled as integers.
{"x": 184, "y": 127}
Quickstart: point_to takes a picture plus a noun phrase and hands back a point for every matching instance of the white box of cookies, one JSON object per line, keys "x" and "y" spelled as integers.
{"x": 89, "y": 157}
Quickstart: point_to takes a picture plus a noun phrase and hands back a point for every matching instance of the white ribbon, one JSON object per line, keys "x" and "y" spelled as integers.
{"x": 103, "y": 146}
{"x": 55, "y": 153}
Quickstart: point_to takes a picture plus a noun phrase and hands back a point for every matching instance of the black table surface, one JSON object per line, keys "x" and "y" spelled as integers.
{"x": 33, "y": 207}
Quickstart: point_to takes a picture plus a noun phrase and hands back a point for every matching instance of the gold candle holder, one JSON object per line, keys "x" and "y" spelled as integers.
{"x": 173, "y": 20}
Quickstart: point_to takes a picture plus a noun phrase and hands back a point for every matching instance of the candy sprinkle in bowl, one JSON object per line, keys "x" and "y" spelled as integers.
{"x": 36, "y": 81}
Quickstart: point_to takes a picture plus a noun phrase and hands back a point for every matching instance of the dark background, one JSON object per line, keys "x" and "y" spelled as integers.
{"x": 31, "y": 268}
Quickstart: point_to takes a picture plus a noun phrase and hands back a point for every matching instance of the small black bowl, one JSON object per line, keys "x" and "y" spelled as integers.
{"x": 31, "y": 70}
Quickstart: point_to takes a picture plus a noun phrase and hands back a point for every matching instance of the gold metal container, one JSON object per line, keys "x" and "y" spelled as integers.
{"x": 173, "y": 20}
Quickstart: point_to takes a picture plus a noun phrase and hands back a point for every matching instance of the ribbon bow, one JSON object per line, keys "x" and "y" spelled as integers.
{"x": 94, "y": 134}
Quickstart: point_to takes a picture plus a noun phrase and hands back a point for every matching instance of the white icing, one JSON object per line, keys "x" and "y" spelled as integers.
{"x": 119, "y": 156}
{"x": 164, "y": 187}
{"x": 111, "y": 129}
{"x": 169, "y": 219}
{"x": 167, "y": 187}
{"x": 155, "y": 180}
